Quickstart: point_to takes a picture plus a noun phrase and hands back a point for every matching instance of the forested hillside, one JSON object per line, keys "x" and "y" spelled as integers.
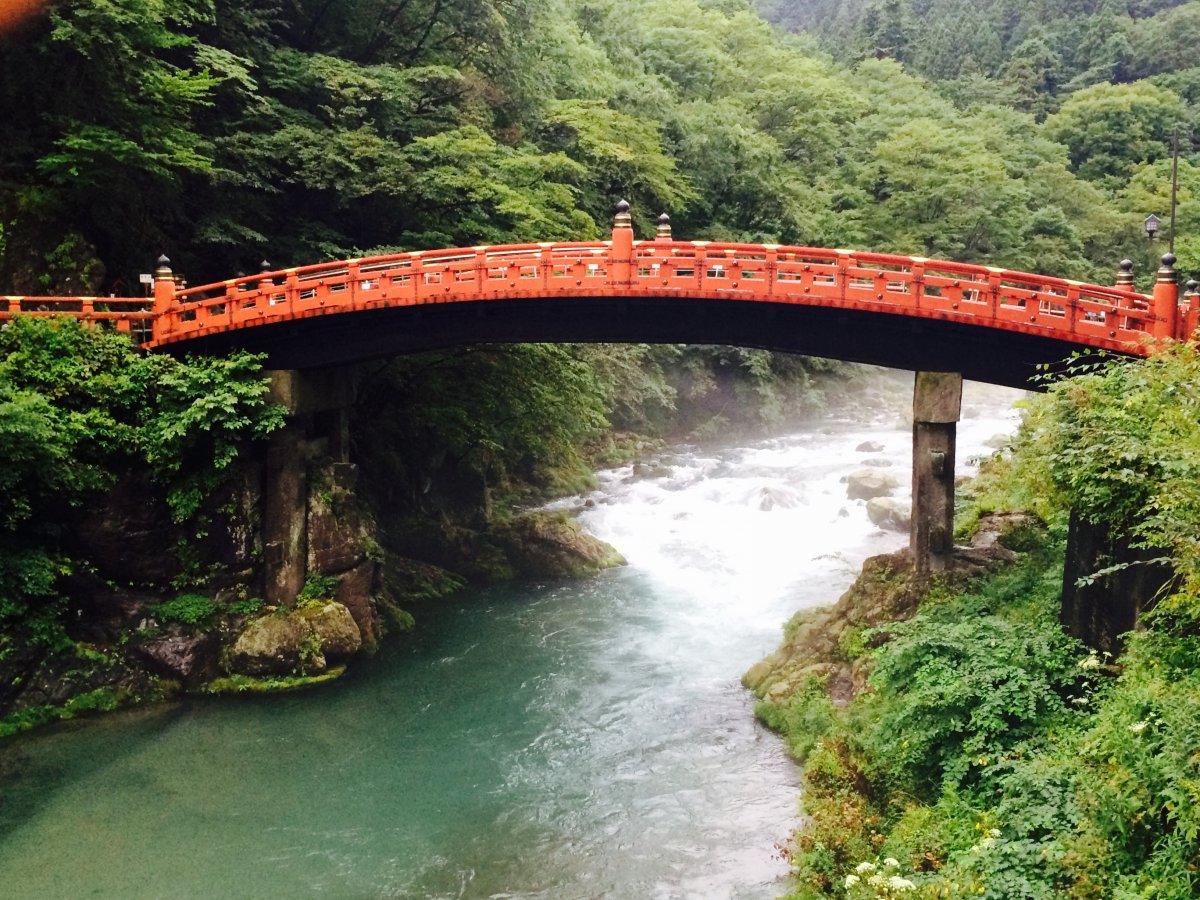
{"x": 224, "y": 133}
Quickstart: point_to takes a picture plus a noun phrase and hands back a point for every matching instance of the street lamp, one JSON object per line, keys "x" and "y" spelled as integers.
{"x": 1151, "y": 225}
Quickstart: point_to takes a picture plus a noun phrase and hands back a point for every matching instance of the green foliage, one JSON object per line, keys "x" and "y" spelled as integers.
{"x": 206, "y": 409}
{"x": 1109, "y": 128}
{"x": 475, "y": 419}
{"x": 244, "y": 606}
{"x": 801, "y": 718}
{"x": 960, "y": 695}
{"x": 81, "y": 408}
{"x": 1122, "y": 444}
{"x": 191, "y": 609}
{"x": 318, "y": 588}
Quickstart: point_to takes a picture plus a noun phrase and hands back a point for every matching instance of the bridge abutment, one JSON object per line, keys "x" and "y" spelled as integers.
{"x": 318, "y": 408}
{"x": 937, "y": 403}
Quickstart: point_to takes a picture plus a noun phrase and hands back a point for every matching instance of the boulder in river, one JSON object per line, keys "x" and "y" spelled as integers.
{"x": 870, "y": 447}
{"x": 889, "y": 514}
{"x": 767, "y": 498}
{"x": 291, "y": 641}
{"x": 867, "y": 483}
{"x": 546, "y": 544}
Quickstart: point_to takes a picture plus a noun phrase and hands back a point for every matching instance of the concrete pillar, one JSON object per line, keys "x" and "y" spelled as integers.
{"x": 285, "y": 514}
{"x": 937, "y": 403}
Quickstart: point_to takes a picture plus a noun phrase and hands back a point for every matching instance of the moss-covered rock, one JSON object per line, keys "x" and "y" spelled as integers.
{"x": 547, "y": 544}
{"x": 291, "y": 642}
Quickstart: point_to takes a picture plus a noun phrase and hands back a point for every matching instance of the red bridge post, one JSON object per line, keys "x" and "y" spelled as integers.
{"x": 621, "y": 253}
{"x": 164, "y": 296}
{"x": 1166, "y": 299}
{"x": 1190, "y": 311}
{"x": 663, "y": 233}
{"x": 1125, "y": 275}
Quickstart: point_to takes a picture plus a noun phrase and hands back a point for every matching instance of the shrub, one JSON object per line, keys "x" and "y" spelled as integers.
{"x": 191, "y": 609}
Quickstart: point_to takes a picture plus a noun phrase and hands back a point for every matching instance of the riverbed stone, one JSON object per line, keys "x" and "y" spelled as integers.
{"x": 870, "y": 447}
{"x": 867, "y": 483}
{"x": 889, "y": 514}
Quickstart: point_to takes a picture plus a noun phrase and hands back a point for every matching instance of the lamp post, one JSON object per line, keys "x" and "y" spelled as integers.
{"x": 1174, "y": 184}
{"x": 1153, "y": 222}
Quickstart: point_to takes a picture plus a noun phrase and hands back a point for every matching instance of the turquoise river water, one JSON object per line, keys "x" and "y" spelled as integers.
{"x": 554, "y": 740}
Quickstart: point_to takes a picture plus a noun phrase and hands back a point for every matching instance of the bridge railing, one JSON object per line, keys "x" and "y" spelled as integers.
{"x": 132, "y": 316}
{"x": 1092, "y": 314}
{"x": 1098, "y": 316}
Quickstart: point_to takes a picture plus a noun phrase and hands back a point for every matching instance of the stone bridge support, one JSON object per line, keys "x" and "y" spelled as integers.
{"x": 318, "y": 411}
{"x": 937, "y": 403}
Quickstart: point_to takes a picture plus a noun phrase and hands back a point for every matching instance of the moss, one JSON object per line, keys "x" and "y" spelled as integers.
{"x": 249, "y": 684}
{"x": 102, "y": 699}
{"x": 409, "y": 581}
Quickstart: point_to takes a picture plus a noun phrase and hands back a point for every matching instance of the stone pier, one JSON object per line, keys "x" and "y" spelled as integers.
{"x": 318, "y": 407}
{"x": 937, "y": 403}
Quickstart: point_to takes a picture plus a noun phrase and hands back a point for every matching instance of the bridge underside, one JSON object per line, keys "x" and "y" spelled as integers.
{"x": 993, "y": 355}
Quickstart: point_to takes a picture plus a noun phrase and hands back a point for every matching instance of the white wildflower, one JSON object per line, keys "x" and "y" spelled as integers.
{"x": 876, "y": 881}
{"x": 891, "y": 862}
{"x": 863, "y": 867}
{"x": 851, "y": 881}
{"x": 1138, "y": 727}
{"x": 994, "y": 832}
{"x": 896, "y": 883}
{"x": 1092, "y": 662}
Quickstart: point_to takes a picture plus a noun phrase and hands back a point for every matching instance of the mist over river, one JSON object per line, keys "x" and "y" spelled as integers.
{"x": 552, "y": 740}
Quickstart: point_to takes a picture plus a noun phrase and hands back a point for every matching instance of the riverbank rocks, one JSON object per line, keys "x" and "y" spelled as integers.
{"x": 888, "y": 514}
{"x": 867, "y": 483}
{"x": 295, "y": 641}
{"x": 180, "y": 652}
{"x": 339, "y": 530}
{"x": 870, "y": 447}
{"x": 547, "y": 544}
{"x": 826, "y": 644}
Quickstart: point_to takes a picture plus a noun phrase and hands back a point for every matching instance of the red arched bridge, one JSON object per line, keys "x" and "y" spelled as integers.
{"x": 987, "y": 323}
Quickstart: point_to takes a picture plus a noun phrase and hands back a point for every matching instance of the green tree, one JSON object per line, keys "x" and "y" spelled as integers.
{"x": 1110, "y": 128}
